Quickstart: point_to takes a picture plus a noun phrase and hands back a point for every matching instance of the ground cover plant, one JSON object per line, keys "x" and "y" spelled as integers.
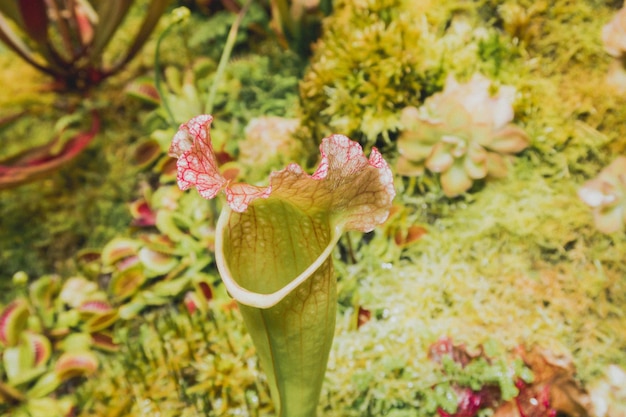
{"x": 495, "y": 286}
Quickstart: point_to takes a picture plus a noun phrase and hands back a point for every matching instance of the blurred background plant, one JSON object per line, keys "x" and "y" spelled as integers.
{"x": 521, "y": 250}
{"x": 606, "y": 196}
{"x": 297, "y": 23}
{"x": 49, "y": 339}
{"x": 376, "y": 58}
{"x": 79, "y": 44}
{"x": 68, "y": 39}
{"x": 179, "y": 362}
{"x": 462, "y": 133}
{"x": 170, "y": 253}
{"x": 614, "y": 40}
{"x": 371, "y": 61}
{"x": 260, "y": 89}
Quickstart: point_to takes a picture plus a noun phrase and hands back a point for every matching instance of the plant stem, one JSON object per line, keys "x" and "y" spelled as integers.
{"x": 179, "y": 17}
{"x": 228, "y": 49}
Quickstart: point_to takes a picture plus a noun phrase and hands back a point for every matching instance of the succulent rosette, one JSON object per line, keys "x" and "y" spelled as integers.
{"x": 273, "y": 246}
{"x": 614, "y": 34}
{"x": 614, "y": 41}
{"x": 606, "y": 195}
{"x": 463, "y": 133}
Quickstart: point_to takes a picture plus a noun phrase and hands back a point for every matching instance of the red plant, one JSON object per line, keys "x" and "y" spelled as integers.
{"x": 34, "y": 163}
{"x": 67, "y": 38}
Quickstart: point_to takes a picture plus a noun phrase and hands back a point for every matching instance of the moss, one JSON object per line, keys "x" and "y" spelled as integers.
{"x": 179, "y": 365}
{"x": 521, "y": 265}
{"x": 375, "y": 58}
{"x": 370, "y": 62}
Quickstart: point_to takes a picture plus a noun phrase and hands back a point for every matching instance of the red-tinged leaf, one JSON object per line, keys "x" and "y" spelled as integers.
{"x": 104, "y": 341}
{"x": 355, "y": 190}
{"x": 146, "y": 153}
{"x": 445, "y": 347}
{"x": 143, "y": 215}
{"x": 554, "y": 388}
{"x": 197, "y": 164}
{"x": 41, "y": 348}
{"x": 206, "y": 290}
{"x": 95, "y": 307}
{"x": 118, "y": 250}
{"x": 144, "y": 90}
{"x": 73, "y": 364}
{"x": 12, "y": 321}
{"x": 191, "y": 302}
{"x": 412, "y": 234}
{"x": 34, "y": 14}
{"x": 363, "y": 316}
{"x": 471, "y": 402}
{"x": 37, "y": 162}
{"x": 534, "y": 401}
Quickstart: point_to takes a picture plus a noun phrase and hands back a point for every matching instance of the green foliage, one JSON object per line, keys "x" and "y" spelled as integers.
{"x": 82, "y": 205}
{"x": 297, "y": 23}
{"x": 371, "y": 61}
{"x": 207, "y": 35}
{"x": 67, "y": 40}
{"x": 254, "y": 85}
{"x": 47, "y": 342}
{"x": 263, "y": 84}
{"x": 168, "y": 255}
{"x": 522, "y": 250}
{"x": 178, "y": 364}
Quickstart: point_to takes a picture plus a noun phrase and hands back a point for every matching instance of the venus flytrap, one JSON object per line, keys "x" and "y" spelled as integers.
{"x": 273, "y": 247}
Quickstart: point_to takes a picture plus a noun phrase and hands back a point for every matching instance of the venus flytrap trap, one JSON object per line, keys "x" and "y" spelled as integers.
{"x": 48, "y": 339}
{"x": 273, "y": 247}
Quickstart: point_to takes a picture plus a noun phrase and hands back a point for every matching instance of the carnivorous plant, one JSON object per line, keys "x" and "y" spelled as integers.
{"x": 273, "y": 248}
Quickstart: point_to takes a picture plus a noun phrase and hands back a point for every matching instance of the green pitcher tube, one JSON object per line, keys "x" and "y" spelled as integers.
{"x": 262, "y": 250}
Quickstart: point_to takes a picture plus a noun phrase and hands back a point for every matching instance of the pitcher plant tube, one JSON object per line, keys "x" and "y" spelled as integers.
{"x": 273, "y": 248}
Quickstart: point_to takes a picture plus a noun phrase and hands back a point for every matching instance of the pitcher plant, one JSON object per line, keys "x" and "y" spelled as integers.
{"x": 273, "y": 248}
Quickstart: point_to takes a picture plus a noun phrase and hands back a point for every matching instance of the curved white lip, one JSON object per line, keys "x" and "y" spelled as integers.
{"x": 254, "y": 299}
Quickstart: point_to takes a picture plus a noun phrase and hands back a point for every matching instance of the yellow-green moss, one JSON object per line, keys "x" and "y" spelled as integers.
{"x": 370, "y": 62}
